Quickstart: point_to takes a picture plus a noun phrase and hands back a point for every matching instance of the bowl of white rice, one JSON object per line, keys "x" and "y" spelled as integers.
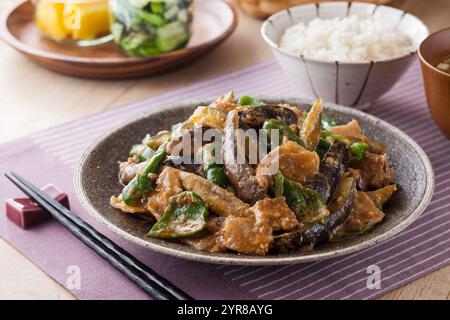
{"x": 347, "y": 53}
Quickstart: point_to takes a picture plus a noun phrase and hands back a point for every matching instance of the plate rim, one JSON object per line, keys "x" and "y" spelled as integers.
{"x": 256, "y": 260}
{"x": 15, "y": 43}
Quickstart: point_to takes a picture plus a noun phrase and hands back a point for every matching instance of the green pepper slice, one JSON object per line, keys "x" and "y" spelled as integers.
{"x": 214, "y": 172}
{"x": 141, "y": 184}
{"x": 250, "y": 101}
{"x": 278, "y": 188}
{"x": 283, "y": 129}
{"x": 142, "y": 152}
{"x": 185, "y": 216}
{"x": 218, "y": 176}
{"x": 357, "y": 149}
{"x": 307, "y": 204}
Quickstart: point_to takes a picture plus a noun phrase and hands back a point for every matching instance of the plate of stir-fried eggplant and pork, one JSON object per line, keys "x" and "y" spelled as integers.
{"x": 331, "y": 180}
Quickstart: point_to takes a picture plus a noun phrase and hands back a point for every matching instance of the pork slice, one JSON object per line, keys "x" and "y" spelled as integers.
{"x": 375, "y": 170}
{"x": 247, "y": 235}
{"x": 167, "y": 185}
{"x": 276, "y": 213}
{"x": 294, "y": 162}
{"x": 220, "y": 201}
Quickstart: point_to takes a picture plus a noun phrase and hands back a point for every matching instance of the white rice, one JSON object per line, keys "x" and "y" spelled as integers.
{"x": 348, "y": 39}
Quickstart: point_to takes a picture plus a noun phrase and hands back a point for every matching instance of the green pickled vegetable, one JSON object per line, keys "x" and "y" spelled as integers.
{"x": 151, "y": 18}
{"x": 307, "y": 204}
{"x": 250, "y": 101}
{"x": 141, "y": 184}
{"x": 149, "y": 27}
{"x": 142, "y": 152}
{"x": 283, "y": 128}
{"x": 139, "y": 3}
{"x": 185, "y": 216}
{"x": 172, "y": 36}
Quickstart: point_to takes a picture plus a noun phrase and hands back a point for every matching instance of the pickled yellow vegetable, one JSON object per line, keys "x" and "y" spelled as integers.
{"x": 72, "y": 19}
{"x": 49, "y": 18}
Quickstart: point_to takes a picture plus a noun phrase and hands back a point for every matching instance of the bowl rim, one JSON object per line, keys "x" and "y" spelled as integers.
{"x": 237, "y": 259}
{"x": 277, "y": 48}
{"x": 425, "y": 61}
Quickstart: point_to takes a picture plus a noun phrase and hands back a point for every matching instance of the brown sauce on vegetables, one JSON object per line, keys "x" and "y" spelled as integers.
{"x": 321, "y": 188}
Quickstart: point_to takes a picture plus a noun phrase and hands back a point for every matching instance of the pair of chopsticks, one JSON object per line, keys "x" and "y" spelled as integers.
{"x": 148, "y": 280}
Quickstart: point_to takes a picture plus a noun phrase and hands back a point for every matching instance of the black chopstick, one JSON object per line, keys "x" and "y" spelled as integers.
{"x": 147, "y": 279}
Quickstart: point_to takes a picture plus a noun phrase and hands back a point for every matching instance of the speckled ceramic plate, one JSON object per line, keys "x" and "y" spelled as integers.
{"x": 96, "y": 180}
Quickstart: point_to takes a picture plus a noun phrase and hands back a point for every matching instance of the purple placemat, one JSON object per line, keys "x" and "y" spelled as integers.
{"x": 50, "y": 156}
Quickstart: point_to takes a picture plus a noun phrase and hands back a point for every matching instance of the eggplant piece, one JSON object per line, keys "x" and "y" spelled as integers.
{"x": 319, "y": 232}
{"x": 312, "y": 126}
{"x": 284, "y": 130}
{"x": 360, "y": 182}
{"x": 177, "y": 163}
{"x": 254, "y": 118}
{"x": 335, "y": 162}
{"x": 181, "y": 134}
{"x": 240, "y": 175}
{"x": 332, "y": 167}
{"x": 320, "y": 184}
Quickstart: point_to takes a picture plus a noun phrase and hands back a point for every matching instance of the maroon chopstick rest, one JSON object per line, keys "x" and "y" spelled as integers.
{"x": 27, "y": 214}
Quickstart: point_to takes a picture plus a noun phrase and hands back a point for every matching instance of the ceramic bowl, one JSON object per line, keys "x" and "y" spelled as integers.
{"x": 437, "y": 83}
{"x": 350, "y": 84}
{"x": 96, "y": 180}
{"x": 264, "y": 8}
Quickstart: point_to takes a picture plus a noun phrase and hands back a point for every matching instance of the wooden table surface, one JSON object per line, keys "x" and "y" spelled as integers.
{"x": 32, "y": 99}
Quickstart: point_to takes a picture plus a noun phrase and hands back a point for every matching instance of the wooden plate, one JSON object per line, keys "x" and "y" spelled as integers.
{"x": 214, "y": 21}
